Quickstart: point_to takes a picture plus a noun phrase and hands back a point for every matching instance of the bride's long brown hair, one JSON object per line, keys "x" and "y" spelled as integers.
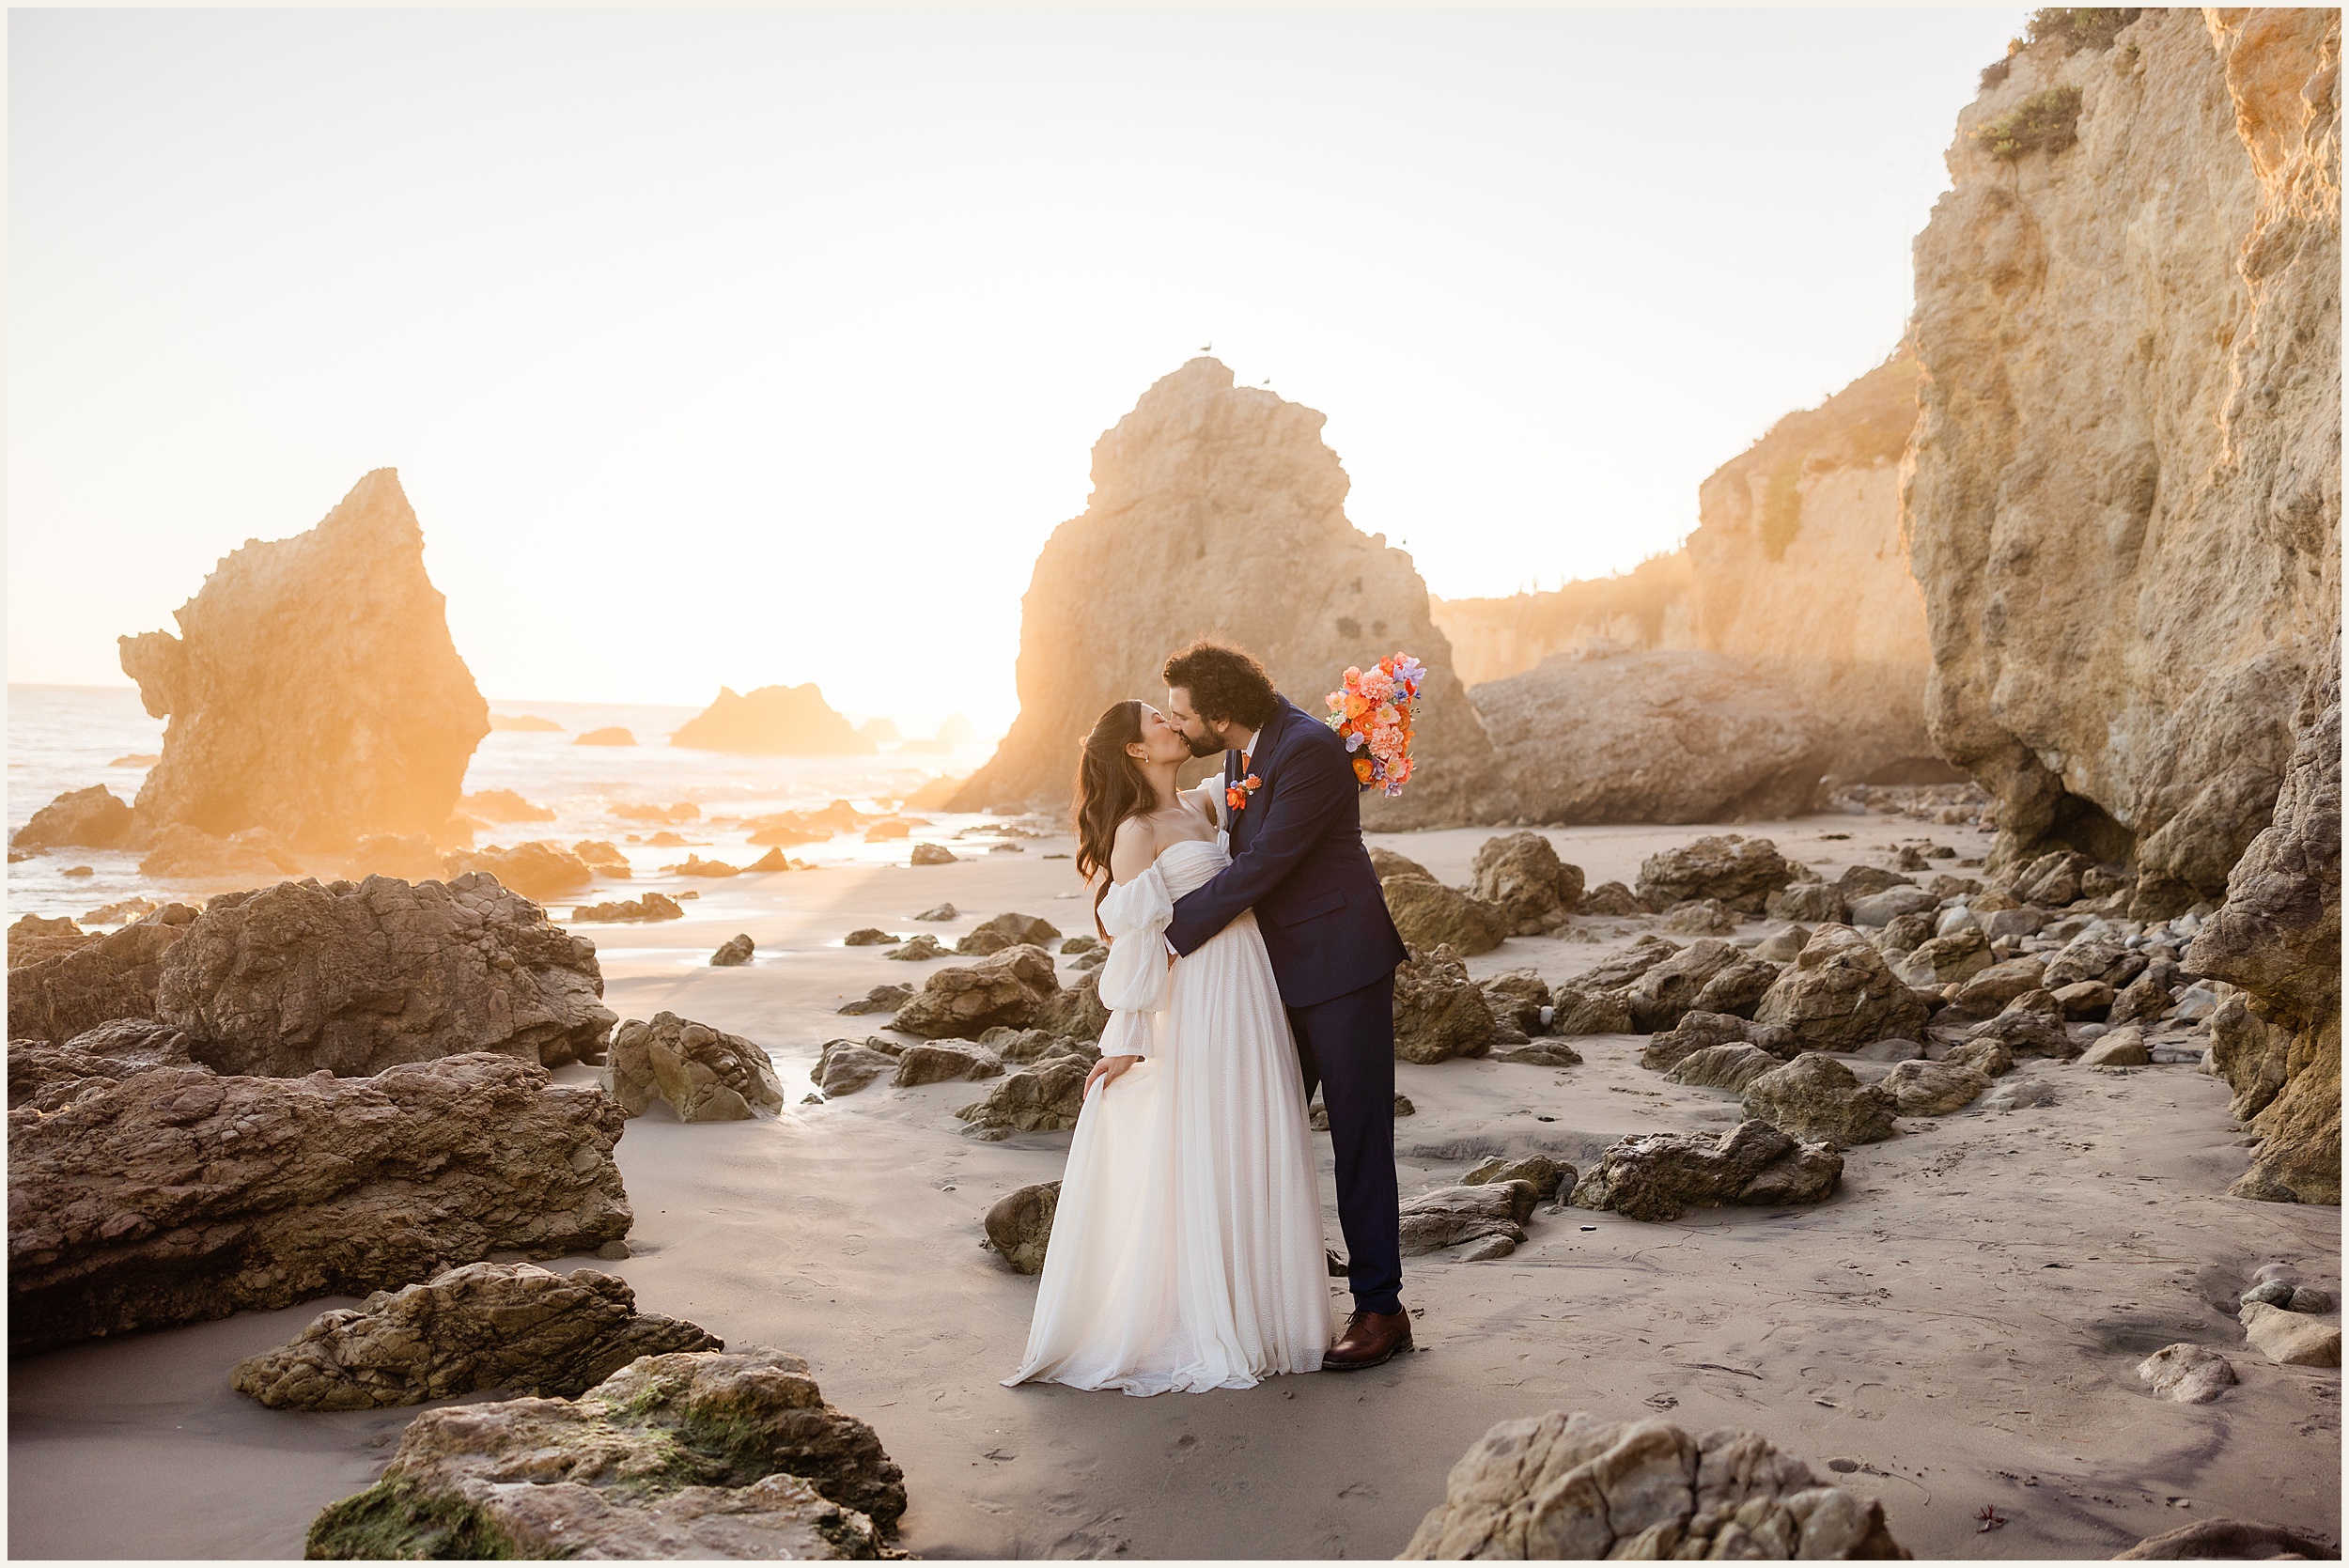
{"x": 1111, "y": 787}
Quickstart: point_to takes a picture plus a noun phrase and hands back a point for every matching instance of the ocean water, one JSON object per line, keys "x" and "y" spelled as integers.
{"x": 64, "y": 737}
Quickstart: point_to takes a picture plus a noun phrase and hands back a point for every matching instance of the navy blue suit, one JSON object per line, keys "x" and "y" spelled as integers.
{"x": 1297, "y": 859}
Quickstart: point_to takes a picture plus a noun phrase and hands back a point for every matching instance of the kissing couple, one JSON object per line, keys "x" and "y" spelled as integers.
{"x": 1250, "y": 960}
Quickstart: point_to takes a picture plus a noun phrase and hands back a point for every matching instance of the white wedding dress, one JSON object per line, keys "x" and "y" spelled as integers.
{"x": 1186, "y": 1248}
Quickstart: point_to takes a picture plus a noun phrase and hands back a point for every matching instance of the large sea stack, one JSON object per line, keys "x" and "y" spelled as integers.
{"x": 313, "y": 689}
{"x": 2126, "y": 499}
{"x": 1218, "y": 511}
{"x": 773, "y": 721}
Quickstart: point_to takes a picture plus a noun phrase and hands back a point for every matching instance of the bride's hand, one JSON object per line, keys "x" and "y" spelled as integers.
{"x": 1106, "y": 1071}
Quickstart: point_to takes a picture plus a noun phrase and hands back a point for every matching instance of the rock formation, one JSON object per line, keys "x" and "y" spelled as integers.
{"x": 1438, "y": 1012}
{"x": 1651, "y": 606}
{"x": 707, "y": 1455}
{"x": 1020, "y": 1226}
{"x": 1045, "y": 1099}
{"x": 1488, "y": 1218}
{"x": 352, "y": 978}
{"x": 1606, "y": 735}
{"x": 56, "y": 997}
{"x": 1574, "y": 1486}
{"x": 2125, "y": 500}
{"x": 177, "y": 1196}
{"x": 2278, "y": 937}
{"x": 48, "y": 1078}
{"x": 1522, "y": 874}
{"x": 94, "y": 818}
{"x": 1819, "y": 1100}
{"x": 1841, "y": 994}
{"x": 313, "y": 687}
{"x": 1202, "y": 497}
{"x": 1659, "y": 1176}
{"x": 484, "y": 1325}
{"x": 1011, "y": 987}
{"x": 541, "y": 869}
{"x": 704, "y": 1074}
{"x": 773, "y": 721}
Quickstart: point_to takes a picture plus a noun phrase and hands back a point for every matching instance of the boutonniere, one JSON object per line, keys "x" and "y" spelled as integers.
{"x": 1235, "y": 796}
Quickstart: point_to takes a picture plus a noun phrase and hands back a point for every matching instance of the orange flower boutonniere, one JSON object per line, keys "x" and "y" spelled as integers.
{"x": 1235, "y": 796}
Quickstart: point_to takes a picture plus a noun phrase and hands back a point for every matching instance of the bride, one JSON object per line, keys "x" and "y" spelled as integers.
{"x": 1187, "y": 1248}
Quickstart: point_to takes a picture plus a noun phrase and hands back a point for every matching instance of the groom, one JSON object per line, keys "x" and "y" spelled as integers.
{"x": 1298, "y": 860}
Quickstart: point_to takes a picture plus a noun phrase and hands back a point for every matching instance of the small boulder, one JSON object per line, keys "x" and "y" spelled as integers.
{"x": 1045, "y": 1099}
{"x": 2051, "y": 879}
{"x": 1545, "y": 1174}
{"x": 844, "y": 1066}
{"x": 918, "y": 950}
{"x": 1659, "y": 1176}
{"x": 1613, "y": 899}
{"x": 1732, "y": 1065}
{"x": 1438, "y": 1012}
{"x": 1672, "y": 987}
{"x": 1740, "y": 871}
{"x": 1737, "y": 988}
{"x": 1819, "y": 903}
{"x": 1574, "y": 1011}
{"x": 1817, "y": 1099}
{"x": 1517, "y": 997}
{"x": 2083, "y": 1001}
{"x": 880, "y": 999}
{"x": 940, "y": 913}
{"x": 2144, "y": 999}
{"x": 1540, "y": 1053}
{"x": 1385, "y": 862}
{"x": 1011, "y": 987}
{"x": 1945, "y": 960}
{"x": 2030, "y": 1025}
{"x": 2289, "y": 1338}
{"x": 1701, "y": 917}
{"x": 1428, "y": 914}
{"x": 2019, "y": 1096}
{"x": 1890, "y": 1052}
{"x": 1988, "y": 1056}
{"x": 2186, "y": 1374}
{"x": 1935, "y": 1088}
{"x": 933, "y": 854}
{"x": 1985, "y": 992}
{"x": 2095, "y": 953}
{"x": 1695, "y": 1032}
{"x": 1075, "y": 1012}
{"x": 870, "y": 936}
{"x": 1783, "y": 946}
{"x": 93, "y": 818}
{"x": 704, "y": 1074}
{"x": 2123, "y": 1047}
{"x": 735, "y": 951}
{"x": 1451, "y": 1216}
{"x": 946, "y": 1062}
{"x": 1018, "y": 1226}
{"x": 1522, "y": 874}
{"x": 1839, "y": 993}
{"x": 539, "y": 869}
{"x": 652, "y": 906}
{"x": 1615, "y": 973}
{"x": 1880, "y": 909}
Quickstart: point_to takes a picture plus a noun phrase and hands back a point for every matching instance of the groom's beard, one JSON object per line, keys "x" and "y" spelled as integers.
{"x": 1209, "y": 747}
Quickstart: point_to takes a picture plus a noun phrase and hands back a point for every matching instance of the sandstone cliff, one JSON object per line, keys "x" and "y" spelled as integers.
{"x": 2125, "y": 498}
{"x": 1796, "y": 572}
{"x": 1218, "y": 511}
{"x": 313, "y": 689}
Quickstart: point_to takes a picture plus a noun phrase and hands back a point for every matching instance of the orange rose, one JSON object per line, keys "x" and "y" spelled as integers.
{"x": 1361, "y": 770}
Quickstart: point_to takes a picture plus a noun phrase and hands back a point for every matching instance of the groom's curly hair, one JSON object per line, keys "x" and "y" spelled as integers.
{"x": 1224, "y": 682}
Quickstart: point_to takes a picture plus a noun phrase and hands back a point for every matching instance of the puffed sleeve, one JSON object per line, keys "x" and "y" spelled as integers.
{"x": 1133, "y": 977}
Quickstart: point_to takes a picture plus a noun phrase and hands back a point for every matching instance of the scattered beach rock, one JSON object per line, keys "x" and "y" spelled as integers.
{"x": 1694, "y": 1032}
{"x": 1612, "y": 898}
{"x": 121, "y": 912}
{"x": 1574, "y": 1486}
{"x": 1438, "y": 1012}
{"x": 1820, "y": 903}
{"x": 667, "y": 813}
{"x": 1742, "y": 873}
{"x": 178, "y": 853}
{"x": 1077, "y": 947}
{"x": 2019, "y": 1096}
{"x": 1020, "y": 1226}
{"x": 1988, "y": 1056}
{"x": 1730, "y": 1065}
{"x": 1945, "y": 960}
{"x": 844, "y": 1066}
{"x": 1545, "y": 1174}
{"x": 1987, "y": 992}
{"x": 1385, "y": 862}
{"x": 1075, "y": 1013}
{"x": 485, "y": 1326}
{"x": 1890, "y": 1052}
{"x": 81, "y": 984}
{"x": 704, "y": 1074}
{"x": 541, "y": 869}
{"x": 311, "y": 1187}
{"x": 369, "y": 729}
{"x": 2083, "y": 1000}
{"x": 880, "y": 999}
{"x": 1882, "y": 909}
{"x": 1783, "y": 946}
{"x": 1668, "y": 989}
{"x": 918, "y": 949}
{"x": 1839, "y": 994}
{"x": 2225, "y": 1539}
{"x": 704, "y": 1454}
{"x": 1576, "y": 1012}
{"x": 352, "y": 978}
{"x": 503, "y": 805}
{"x": 2289, "y": 1338}
{"x": 1451, "y": 1216}
{"x": 94, "y": 818}
{"x": 1738, "y": 987}
{"x": 1011, "y": 987}
{"x": 946, "y": 1062}
{"x": 2123, "y": 1047}
{"x": 2030, "y": 1025}
{"x": 1819, "y": 1100}
{"x": 1935, "y": 1088}
{"x": 1539, "y": 1053}
{"x": 1660, "y": 1176}
{"x": 648, "y": 906}
{"x": 1045, "y": 1099}
{"x": 934, "y": 854}
{"x": 611, "y": 735}
{"x": 1516, "y": 998}
{"x": 1430, "y": 915}
{"x": 2186, "y": 1374}
{"x": 941, "y": 912}
{"x": 694, "y": 865}
{"x": 735, "y": 951}
{"x": 1699, "y": 917}
{"x": 1522, "y": 874}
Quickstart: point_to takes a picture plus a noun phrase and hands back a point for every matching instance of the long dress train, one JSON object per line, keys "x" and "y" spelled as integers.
{"x": 1186, "y": 1247}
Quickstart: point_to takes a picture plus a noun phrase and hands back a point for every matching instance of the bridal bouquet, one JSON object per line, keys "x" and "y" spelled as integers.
{"x": 1372, "y": 711}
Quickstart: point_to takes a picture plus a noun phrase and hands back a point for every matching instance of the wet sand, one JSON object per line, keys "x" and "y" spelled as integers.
{"x": 1962, "y": 1321}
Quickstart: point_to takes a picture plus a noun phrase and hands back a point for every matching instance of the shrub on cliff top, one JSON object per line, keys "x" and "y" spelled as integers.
{"x": 2078, "y": 28}
{"x": 2043, "y": 122}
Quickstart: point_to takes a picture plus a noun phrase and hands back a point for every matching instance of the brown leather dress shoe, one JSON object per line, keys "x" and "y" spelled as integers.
{"x": 1371, "y": 1339}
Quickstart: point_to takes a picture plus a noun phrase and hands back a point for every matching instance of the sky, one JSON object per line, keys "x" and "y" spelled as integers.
{"x": 736, "y": 347}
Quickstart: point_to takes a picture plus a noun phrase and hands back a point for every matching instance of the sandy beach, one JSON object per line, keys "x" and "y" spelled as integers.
{"x": 1958, "y": 1327}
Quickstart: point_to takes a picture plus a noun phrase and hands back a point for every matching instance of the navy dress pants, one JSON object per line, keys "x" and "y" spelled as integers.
{"x": 1346, "y": 1047}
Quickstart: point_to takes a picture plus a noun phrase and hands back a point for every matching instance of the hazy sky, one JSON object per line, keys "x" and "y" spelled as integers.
{"x": 739, "y": 347}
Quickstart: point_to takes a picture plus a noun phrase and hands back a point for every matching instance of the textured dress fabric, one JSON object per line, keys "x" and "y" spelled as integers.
{"x": 1186, "y": 1248}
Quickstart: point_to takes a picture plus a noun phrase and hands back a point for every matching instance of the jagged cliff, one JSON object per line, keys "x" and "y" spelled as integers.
{"x": 1796, "y": 572}
{"x": 313, "y": 689}
{"x": 1218, "y": 511}
{"x": 2125, "y": 498}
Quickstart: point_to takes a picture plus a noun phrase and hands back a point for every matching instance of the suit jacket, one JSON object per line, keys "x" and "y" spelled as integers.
{"x": 1297, "y": 859}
